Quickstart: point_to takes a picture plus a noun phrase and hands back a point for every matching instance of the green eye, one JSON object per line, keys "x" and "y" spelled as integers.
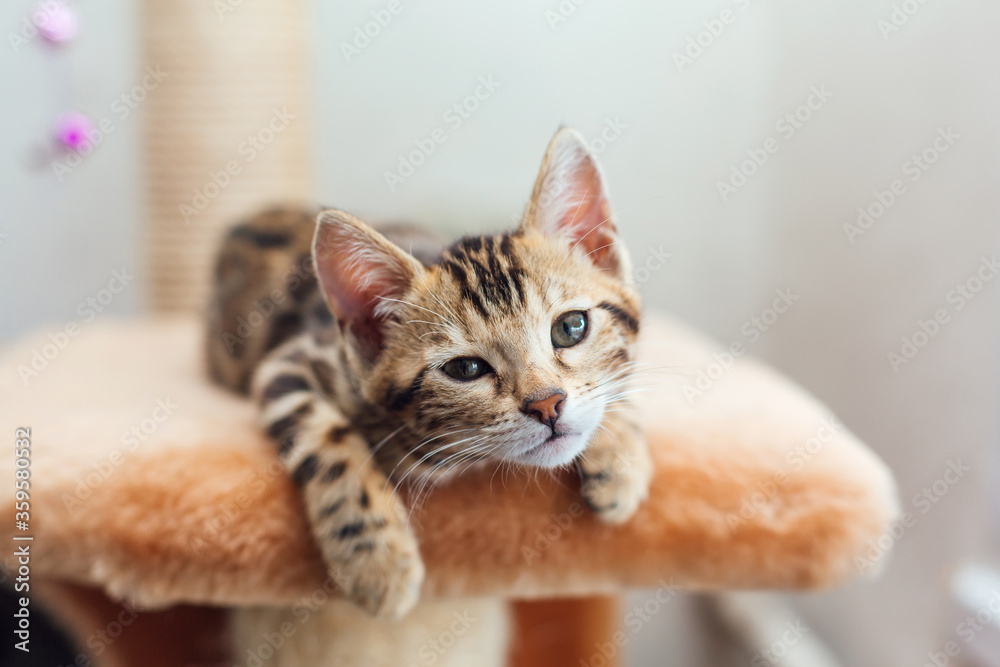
{"x": 569, "y": 328}
{"x": 466, "y": 368}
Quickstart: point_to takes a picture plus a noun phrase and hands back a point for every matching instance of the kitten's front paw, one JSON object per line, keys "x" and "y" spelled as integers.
{"x": 614, "y": 479}
{"x": 386, "y": 579}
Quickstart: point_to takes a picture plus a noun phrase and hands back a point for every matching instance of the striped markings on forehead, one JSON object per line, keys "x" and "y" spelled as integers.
{"x": 488, "y": 273}
{"x": 490, "y": 276}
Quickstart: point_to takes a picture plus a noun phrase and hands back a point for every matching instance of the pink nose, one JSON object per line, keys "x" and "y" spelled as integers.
{"x": 546, "y": 410}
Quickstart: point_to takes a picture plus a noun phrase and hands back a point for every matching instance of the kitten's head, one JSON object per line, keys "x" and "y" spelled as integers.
{"x": 512, "y": 346}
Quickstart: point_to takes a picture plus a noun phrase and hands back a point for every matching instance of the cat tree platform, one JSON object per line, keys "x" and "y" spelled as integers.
{"x": 151, "y": 486}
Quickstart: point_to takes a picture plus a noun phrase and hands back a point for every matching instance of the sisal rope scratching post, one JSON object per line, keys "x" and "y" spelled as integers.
{"x": 226, "y": 131}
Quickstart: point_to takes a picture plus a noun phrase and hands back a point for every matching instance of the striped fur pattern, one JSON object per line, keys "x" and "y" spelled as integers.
{"x": 422, "y": 367}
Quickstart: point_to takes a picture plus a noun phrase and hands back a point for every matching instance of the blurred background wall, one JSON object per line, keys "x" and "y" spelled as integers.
{"x": 831, "y": 103}
{"x": 63, "y": 234}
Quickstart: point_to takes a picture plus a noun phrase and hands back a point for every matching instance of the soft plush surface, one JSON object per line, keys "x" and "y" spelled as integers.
{"x": 753, "y": 487}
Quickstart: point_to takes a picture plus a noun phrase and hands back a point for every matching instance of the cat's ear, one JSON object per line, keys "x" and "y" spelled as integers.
{"x": 570, "y": 202}
{"x": 362, "y": 275}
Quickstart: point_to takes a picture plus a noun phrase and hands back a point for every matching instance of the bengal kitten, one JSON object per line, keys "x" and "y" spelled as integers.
{"x": 514, "y": 348}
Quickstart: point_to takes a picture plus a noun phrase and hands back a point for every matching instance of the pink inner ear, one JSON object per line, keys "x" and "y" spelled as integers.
{"x": 354, "y": 273}
{"x": 585, "y": 215}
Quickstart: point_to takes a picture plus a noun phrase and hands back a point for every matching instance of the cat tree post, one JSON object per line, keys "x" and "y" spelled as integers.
{"x": 225, "y": 133}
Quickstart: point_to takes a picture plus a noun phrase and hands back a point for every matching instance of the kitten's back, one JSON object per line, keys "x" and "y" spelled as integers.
{"x": 264, "y": 289}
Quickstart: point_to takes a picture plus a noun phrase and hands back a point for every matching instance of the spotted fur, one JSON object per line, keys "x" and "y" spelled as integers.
{"x": 358, "y": 396}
